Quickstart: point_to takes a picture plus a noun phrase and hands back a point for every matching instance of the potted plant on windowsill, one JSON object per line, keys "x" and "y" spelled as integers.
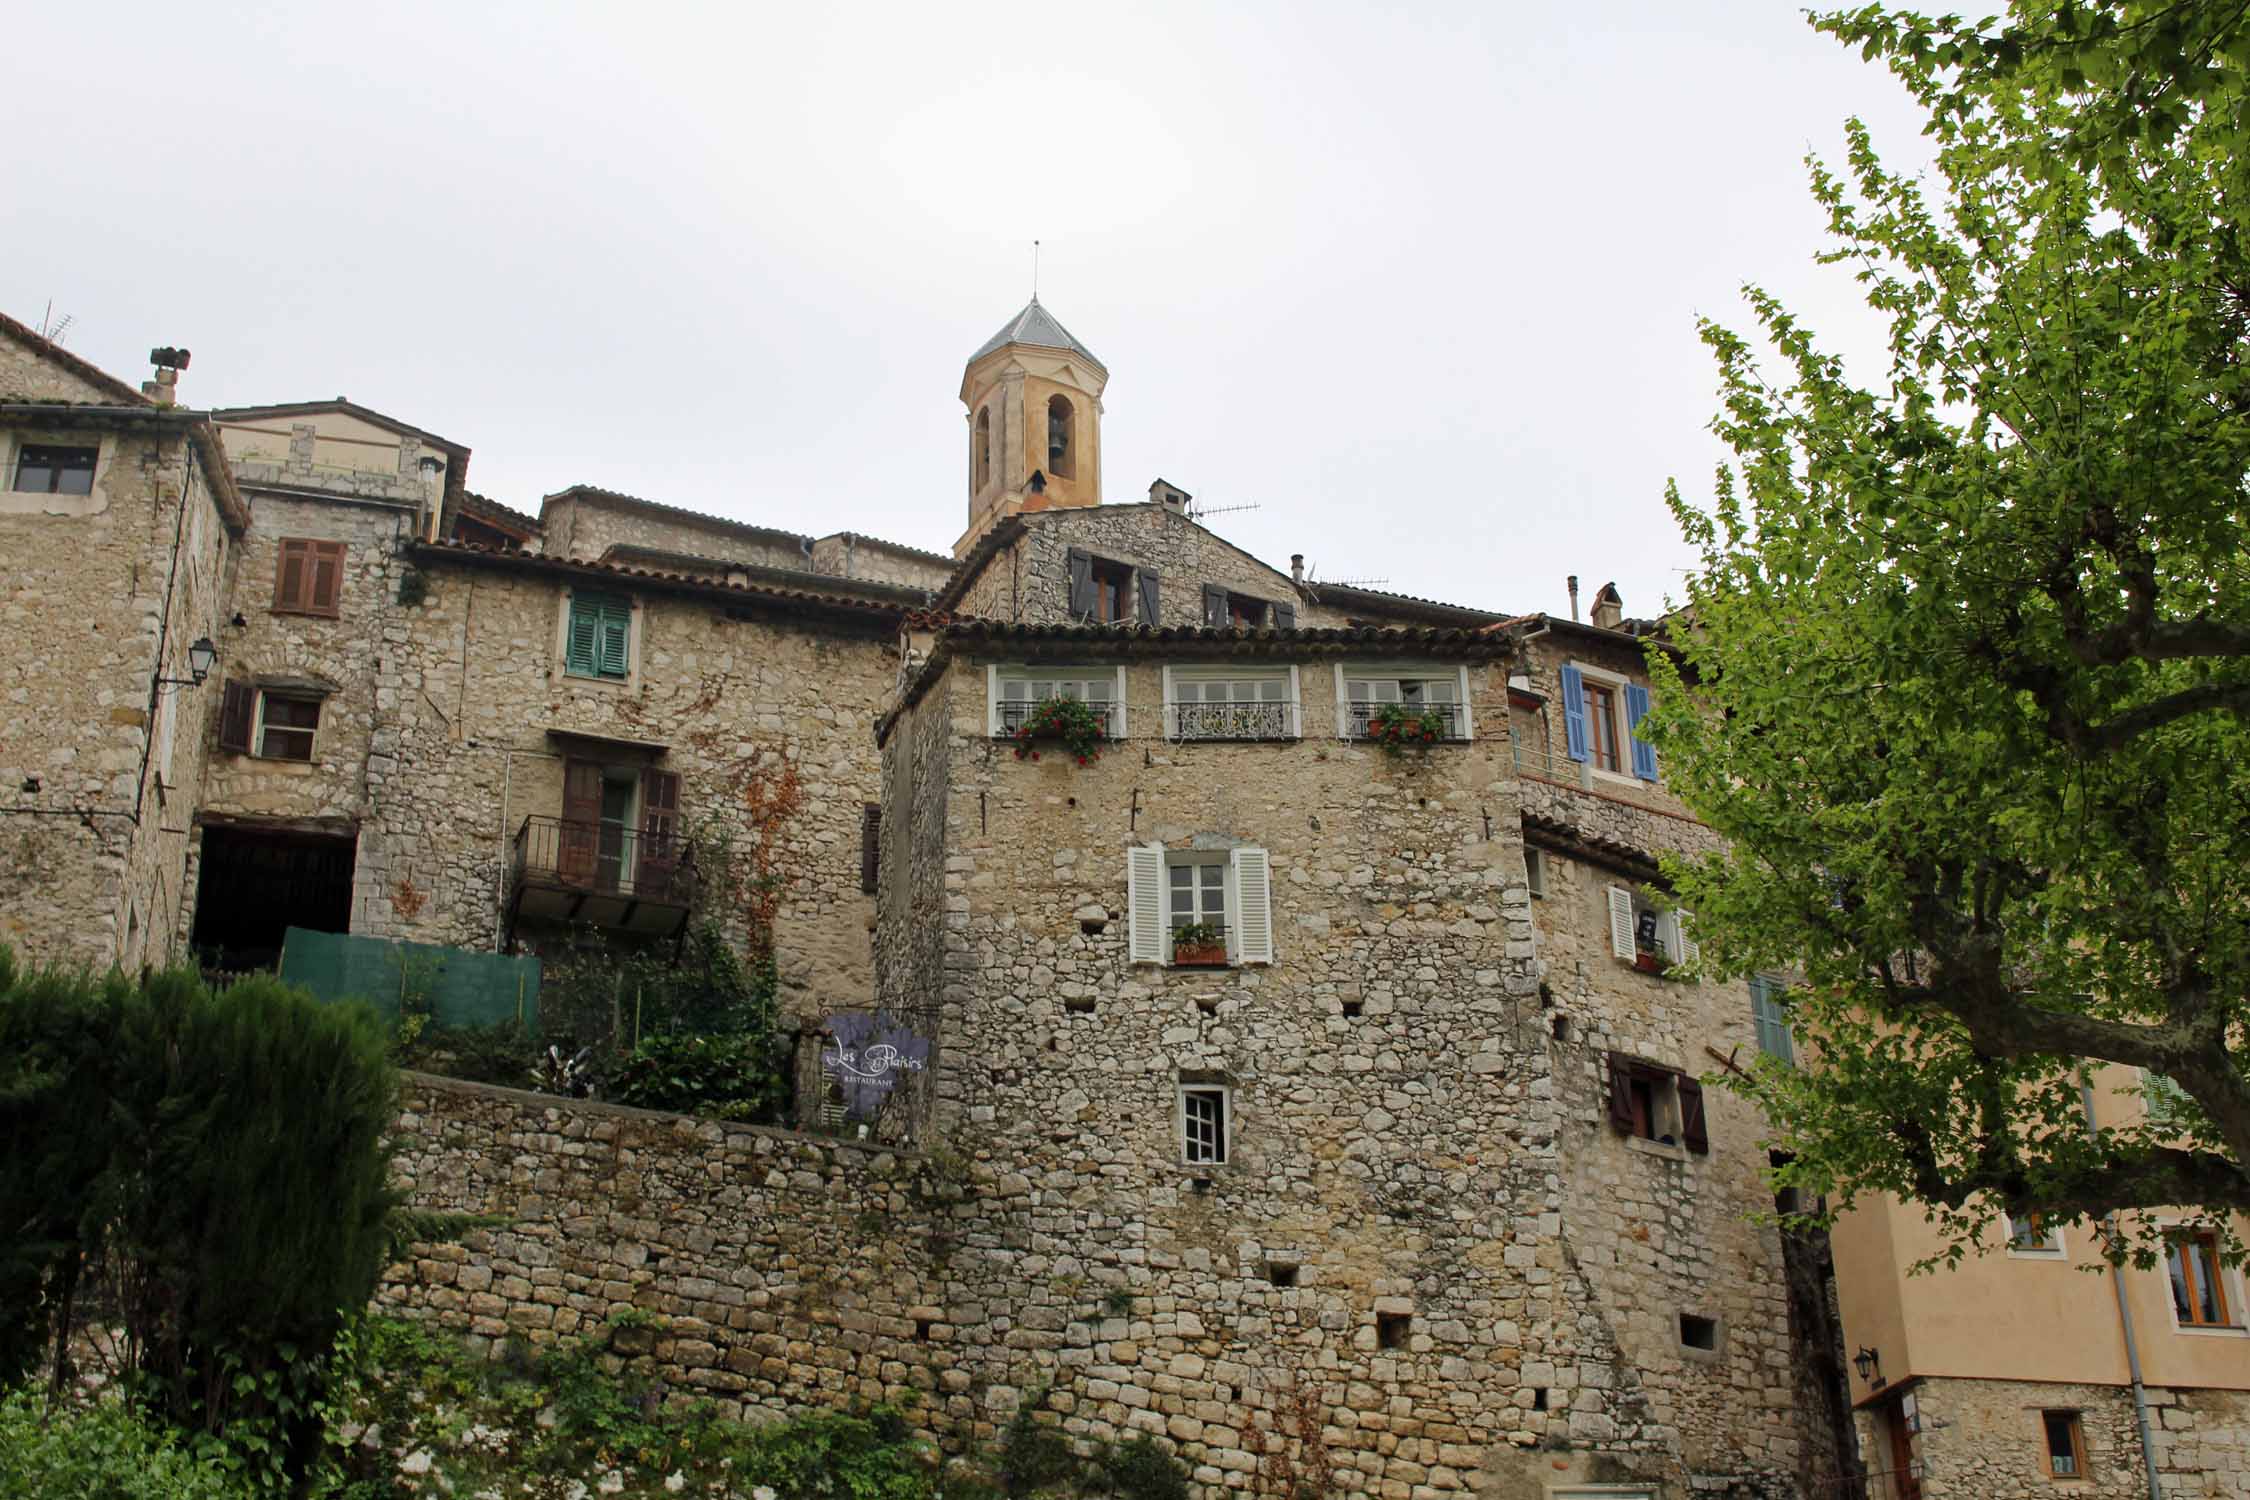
{"x": 1199, "y": 945}
{"x": 1648, "y": 961}
{"x": 1075, "y": 726}
{"x": 1395, "y": 726}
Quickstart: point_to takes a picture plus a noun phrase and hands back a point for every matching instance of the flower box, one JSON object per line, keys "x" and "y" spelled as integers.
{"x": 1199, "y": 955}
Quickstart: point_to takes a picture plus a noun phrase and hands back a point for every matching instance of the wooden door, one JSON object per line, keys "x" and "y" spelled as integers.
{"x": 581, "y": 822}
{"x": 1906, "y": 1481}
{"x": 660, "y": 832}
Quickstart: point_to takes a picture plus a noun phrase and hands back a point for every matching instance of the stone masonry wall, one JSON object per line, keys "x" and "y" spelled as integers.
{"x": 590, "y": 525}
{"x": 1029, "y": 581}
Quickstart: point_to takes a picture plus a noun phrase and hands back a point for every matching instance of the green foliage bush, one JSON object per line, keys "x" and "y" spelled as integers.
{"x": 1139, "y": 1470}
{"x": 729, "y": 1077}
{"x": 103, "y": 1451}
{"x": 225, "y": 1205}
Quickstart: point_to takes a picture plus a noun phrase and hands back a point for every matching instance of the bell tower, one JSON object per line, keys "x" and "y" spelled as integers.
{"x": 1034, "y": 395}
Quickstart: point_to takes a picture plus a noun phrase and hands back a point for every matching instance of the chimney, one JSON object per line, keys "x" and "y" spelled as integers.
{"x": 1573, "y": 598}
{"x": 1609, "y": 607}
{"x": 163, "y": 388}
{"x": 1170, "y": 496}
{"x": 1297, "y": 567}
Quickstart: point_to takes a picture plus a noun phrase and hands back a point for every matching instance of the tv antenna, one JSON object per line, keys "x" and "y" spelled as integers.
{"x": 1197, "y": 511}
{"x": 53, "y": 329}
{"x": 1035, "y": 270}
{"x": 1312, "y": 575}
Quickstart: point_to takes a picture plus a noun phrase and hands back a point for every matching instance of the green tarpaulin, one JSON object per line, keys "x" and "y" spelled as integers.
{"x": 456, "y": 986}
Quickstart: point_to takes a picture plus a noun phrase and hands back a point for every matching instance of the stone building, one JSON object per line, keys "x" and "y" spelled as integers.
{"x": 1332, "y": 1110}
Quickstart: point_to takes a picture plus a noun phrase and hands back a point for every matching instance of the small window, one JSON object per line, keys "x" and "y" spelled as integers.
{"x": 308, "y": 577}
{"x": 54, "y": 471}
{"x": 1771, "y": 1019}
{"x": 1017, "y": 692}
{"x": 2065, "y": 1438}
{"x": 2033, "y": 1235}
{"x": 1535, "y": 871}
{"x": 1282, "y": 1273}
{"x": 1698, "y": 1332}
{"x": 984, "y": 448}
{"x": 1113, "y": 593}
{"x": 1062, "y": 438}
{"x": 870, "y": 846}
{"x": 1645, "y": 935}
{"x": 286, "y": 726}
{"x": 1601, "y": 725}
{"x": 1203, "y": 1124}
{"x": 1393, "y": 1330}
{"x": 1196, "y": 907}
{"x": 1367, "y": 698}
{"x": 2199, "y": 1294}
{"x": 1246, "y": 613}
{"x": 1656, "y": 1103}
{"x": 599, "y": 637}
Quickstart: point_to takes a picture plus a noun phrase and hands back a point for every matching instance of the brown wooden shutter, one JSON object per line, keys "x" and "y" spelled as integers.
{"x": 660, "y": 830}
{"x": 1694, "y": 1134}
{"x": 870, "y": 846}
{"x": 289, "y": 582}
{"x": 1081, "y": 585}
{"x": 1621, "y": 1092}
{"x": 1215, "y": 612}
{"x": 325, "y": 574}
{"x": 1285, "y": 617}
{"x": 581, "y": 821}
{"x": 238, "y": 707}
{"x": 1150, "y": 582}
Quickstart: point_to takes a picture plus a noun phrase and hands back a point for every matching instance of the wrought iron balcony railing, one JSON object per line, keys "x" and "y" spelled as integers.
{"x": 1359, "y": 716}
{"x": 601, "y": 874}
{"x": 1233, "y": 721}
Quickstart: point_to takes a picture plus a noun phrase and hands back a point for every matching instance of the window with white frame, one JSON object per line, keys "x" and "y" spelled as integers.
{"x": 1203, "y": 1124}
{"x": 1770, "y": 1016}
{"x": 2033, "y": 1235}
{"x": 1199, "y": 906}
{"x": 287, "y": 723}
{"x": 1645, "y": 935}
{"x": 1366, "y": 695}
{"x": 1535, "y": 871}
{"x": 1602, "y": 713}
{"x": 1018, "y": 691}
{"x": 1231, "y": 703}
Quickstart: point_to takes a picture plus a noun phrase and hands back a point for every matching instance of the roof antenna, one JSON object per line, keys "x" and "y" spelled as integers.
{"x": 1035, "y": 270}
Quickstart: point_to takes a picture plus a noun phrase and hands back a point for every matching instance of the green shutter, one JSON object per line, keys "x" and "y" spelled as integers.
{"x": 617, "y": 627}
{"x": 600, "y": 636}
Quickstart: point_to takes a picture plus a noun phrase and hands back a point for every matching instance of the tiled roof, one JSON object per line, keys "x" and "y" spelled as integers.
{"x": 493, "y": 511}
{"x": 1341, "y": 593}
{"x": 904, "y": 594}
{"x": 728, "y": 523}
{"x": 972, "y": 628}
{"x": 537, "y": 562}
{"x": 1037, "y": 327}
{"x": 85, "y": 370}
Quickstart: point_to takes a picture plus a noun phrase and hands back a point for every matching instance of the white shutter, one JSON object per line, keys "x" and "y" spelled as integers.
{"x": 1296, "y": 706}
{"x": 1144, "y": 902}
{"x": 1621, "y": 923}
{"x": 1253, "y": 907}
{"x": 1687, "y": 951}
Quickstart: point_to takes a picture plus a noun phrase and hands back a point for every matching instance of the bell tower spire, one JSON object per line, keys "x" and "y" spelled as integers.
{"x": 1034, "y": 399}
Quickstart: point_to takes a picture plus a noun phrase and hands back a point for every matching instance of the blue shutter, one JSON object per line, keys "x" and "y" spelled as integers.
{"x": 1636, "y": 709}
{"x": 1574, "y": 714}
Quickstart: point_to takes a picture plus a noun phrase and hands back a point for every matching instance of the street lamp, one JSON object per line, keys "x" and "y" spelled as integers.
{"x": 1868, "y": 1362}
{"x": 202, "y": 657}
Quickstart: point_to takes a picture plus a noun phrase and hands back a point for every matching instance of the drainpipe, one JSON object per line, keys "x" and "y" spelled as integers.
{"x": 2125, "y": 1322}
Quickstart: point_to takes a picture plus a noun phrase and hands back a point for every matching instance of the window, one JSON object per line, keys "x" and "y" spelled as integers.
{"x": 1698, "y": 1332}
{"x": 1016, "y": 691}
{"x": 1226, "y": 610}
{"x": 308, "y": 577}
{"x": 620, "y": 828}
{"x": 1655, "y": 1103}
{"x": 1217, "y": 704}
{"x": 1170, "y": 889}
{"x": 1535, "y": 871}
{"x": 1061, "y": 438}
{"x": 2065, "y": 1437}
{"x": 2166, "y": 1102}
{"x": 870, "y": 846}
{"x": 984, "y": 449}
{"x": 286, "y": 725}
{"x": 1771, "y": 1019}
{"x": 1203, "y": 1124}
{"x": 55, "y": 471}
{"x": 1645, "y": 936}
{"x": 1596, "y": 736}
{"x": 598, "y": 637}
{"x": 1393, "y": 1330}
{"x": 2033, "y": 1235}
{"x": 1104, "y": 592}
{"x": 1363, "y": 694}
{"x": 2199, "y": 1295}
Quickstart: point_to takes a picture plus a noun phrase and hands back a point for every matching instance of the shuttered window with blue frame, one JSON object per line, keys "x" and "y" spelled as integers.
{"x": 1772, "y": 1019}
{"x": 600, "y": 637}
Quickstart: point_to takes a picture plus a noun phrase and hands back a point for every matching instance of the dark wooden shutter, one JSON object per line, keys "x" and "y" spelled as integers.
{"x": 1621, "y": 1092}
{"x": 1285, "y": 617}
{"x": 1150, "y": 581}
{"x": 289, "y": 580}
{"x": 581, "y": 822}
{"x": 238, "y": 706}
{"x": 1215, "y": 606}
{"x": 660, "y": 830}
{"x": 324, "y": 577}
{"x": 1694, "y": 1134}
{"x": 870, "y": 846}
{"x": 1081, "y": 585}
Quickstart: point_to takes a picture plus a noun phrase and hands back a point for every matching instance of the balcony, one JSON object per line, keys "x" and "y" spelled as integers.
{"x": 1233, "y": 721}
{"x": 1357, "y": 716}
{"x": 601, "y": 875}
{"x": 1013, "y": 712}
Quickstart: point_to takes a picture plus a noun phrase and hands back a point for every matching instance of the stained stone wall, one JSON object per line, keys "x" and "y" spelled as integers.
{"x": 1983, "y": 1440}
{"x": 1028, "y": 581}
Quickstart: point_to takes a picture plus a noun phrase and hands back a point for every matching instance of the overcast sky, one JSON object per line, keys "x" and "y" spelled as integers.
{"x": 1418, "y": 282}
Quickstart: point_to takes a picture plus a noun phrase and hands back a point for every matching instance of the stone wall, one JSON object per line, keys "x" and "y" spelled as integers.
{"x": 1028, "y": 581}
{"x": 1983, "y": 1440}
{"x": 849, "y": 555}
{"x": 586, "y": 526}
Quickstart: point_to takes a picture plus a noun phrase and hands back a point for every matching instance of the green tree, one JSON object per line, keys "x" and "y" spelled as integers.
{"x": 1970, "y": 645}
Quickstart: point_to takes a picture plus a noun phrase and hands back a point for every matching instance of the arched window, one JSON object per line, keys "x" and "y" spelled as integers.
{"x": 1062, "y": 447}
{"x": 984, "y": 449}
